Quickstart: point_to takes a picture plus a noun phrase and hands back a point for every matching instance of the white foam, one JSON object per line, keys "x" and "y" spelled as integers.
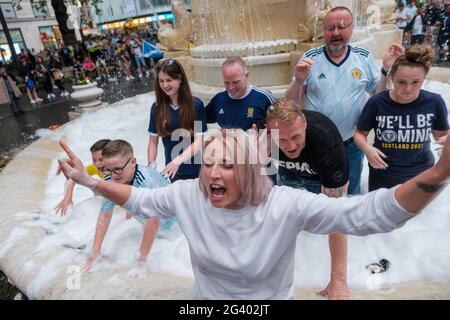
{"x": 247, "y": 49}
{"x": 15, "y": 235}
{"x": 50, "y": 270}
{"x": 419, "y": 250}
{"x": 43, "y": 132}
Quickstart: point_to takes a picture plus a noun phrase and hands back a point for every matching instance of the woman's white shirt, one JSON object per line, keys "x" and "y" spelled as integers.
{"x": 249, "y": 253}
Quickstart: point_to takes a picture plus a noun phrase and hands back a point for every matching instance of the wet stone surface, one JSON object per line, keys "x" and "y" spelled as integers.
{"x": 8, "y": 291}
{"x": 18, "y": 132}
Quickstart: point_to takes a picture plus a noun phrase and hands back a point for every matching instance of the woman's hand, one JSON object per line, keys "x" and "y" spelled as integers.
{"x": 375, "y": 158}
{"x": 172, "y": 168}
{"x": 73, "y": 168}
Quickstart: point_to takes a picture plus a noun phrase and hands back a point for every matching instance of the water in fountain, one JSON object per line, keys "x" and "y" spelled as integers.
{"x": 316, "y": 7}
{"x": 240, "y": 21}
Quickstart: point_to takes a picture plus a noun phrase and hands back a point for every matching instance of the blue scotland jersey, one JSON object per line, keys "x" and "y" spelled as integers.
{"x": 239, "y": 113}
{"x": 339, "y": 91}
{"x": 170, "y": 142}
{"x": 144, "y": 177}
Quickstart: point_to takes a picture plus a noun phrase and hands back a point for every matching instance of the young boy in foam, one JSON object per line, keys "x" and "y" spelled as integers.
{"x": 94, "y": 169}
{"x": 120, "y": 167}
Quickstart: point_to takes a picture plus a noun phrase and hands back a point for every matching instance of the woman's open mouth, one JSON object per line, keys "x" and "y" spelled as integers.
{"x": 217, "y": 191}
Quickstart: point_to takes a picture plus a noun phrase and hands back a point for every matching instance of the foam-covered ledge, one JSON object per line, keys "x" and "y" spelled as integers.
{"x": 22, "y": 188}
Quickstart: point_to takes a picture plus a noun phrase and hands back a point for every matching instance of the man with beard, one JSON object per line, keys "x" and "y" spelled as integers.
{"x": 334, "y": 79}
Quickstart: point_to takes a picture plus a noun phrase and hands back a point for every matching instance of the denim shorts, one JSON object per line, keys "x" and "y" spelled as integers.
{"x": 139, "y": 61}
{"x": 286, "y": 179}
{"x": 355, "y": 165}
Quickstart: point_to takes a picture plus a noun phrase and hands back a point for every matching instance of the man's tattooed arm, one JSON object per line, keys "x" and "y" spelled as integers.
{"x": 334, "y": 192}
{"x": 429, "y": 188}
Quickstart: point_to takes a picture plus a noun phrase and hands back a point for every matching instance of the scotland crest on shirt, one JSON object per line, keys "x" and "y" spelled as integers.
{"x": 356, "y": 73}
{"x": 250, "y": 112}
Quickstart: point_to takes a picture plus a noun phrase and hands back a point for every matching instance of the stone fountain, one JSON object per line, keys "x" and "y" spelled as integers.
{"x": 87, "y": 98}
{"x": 266, "y": 33}
{"x": 271, "y": 35}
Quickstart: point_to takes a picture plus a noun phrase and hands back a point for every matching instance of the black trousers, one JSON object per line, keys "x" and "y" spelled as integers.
{"x": 59, "y": 84}
{"x": 184, "y": 177}
{"x": 417, "y": 39}
{"x": 379, "y": 179}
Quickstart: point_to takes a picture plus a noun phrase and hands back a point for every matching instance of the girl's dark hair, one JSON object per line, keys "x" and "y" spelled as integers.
{"x": 418, "y": 55}
{"x": 173, "y": 69}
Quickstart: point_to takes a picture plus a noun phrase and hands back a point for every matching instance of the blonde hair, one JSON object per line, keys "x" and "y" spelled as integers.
{"x": 254, "y": 185}
{"x": 284, "y": 110}
{"x": 418, "y": 55}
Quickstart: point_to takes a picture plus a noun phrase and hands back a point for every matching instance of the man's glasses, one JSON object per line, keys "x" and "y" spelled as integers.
{"x": 340, "y": 27}
{"x": 116, "y": 170}
{"x": 163, "y": 63}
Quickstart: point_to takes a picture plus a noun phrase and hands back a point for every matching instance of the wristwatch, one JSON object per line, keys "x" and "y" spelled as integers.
{"x": 384, "y": 72}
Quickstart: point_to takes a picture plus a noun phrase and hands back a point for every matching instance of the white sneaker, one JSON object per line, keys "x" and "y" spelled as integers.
{"x": 66, "y": 93}
{"x": 147, "y": 74}
{"x": 53, "y": 96}
{"x": 39, "y": 100}
{"x": 132, "y": 78}
{"x": 128, "y": 78}
{"x": 140, "y": 75}
{"x": 55, "y": 87}
{"x": 33, "y": 102}
{"x": 49, "y": 96}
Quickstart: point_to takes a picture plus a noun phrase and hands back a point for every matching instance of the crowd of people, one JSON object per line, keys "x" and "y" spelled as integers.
{"x": 425, "y": 23}
{"x": 110, "y": 56}
{"x": 242, "y": 217}
{"x": 115, "y": 55}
